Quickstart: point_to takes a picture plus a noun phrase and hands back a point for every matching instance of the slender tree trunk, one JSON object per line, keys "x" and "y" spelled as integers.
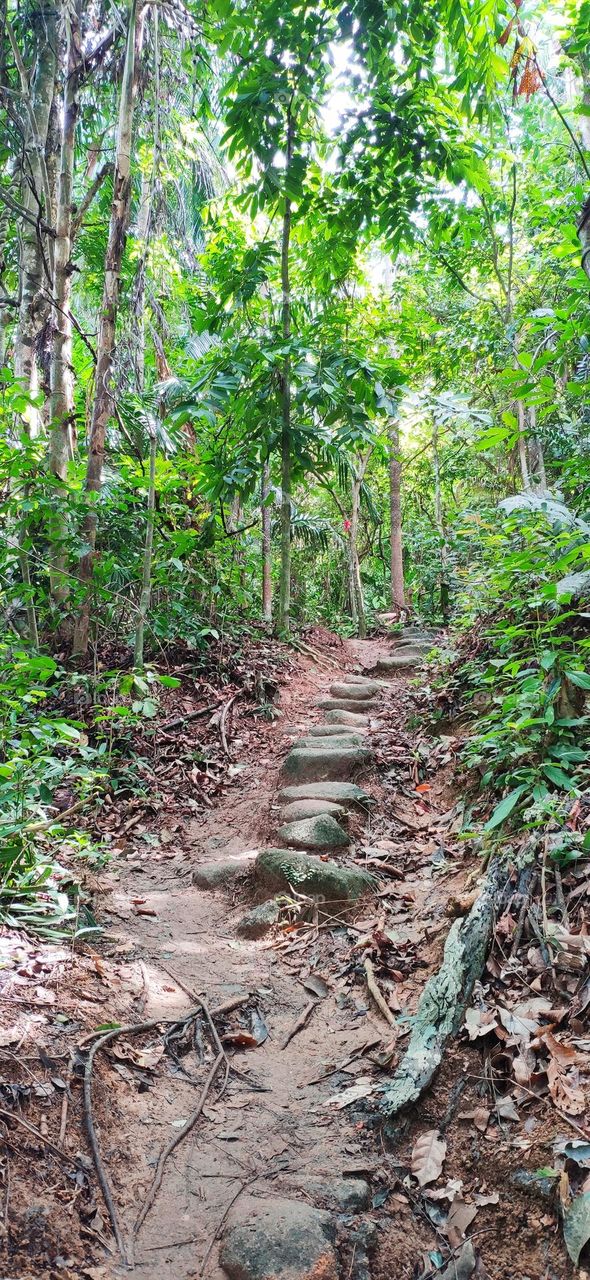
{"x": 356, "y": 586}
{"x": 440, "y": 525}
{"x": 522, "y": 449}
{"x": 584, "y": 126}
{"x": 266, "y": 545}
{"x": 145, "y": 219}
{"x": 61, "y": 404}
{"x": 36, "y": 253}
{"x": 103, "y": 400}
{"x": 398, "y": 600}
{"x": 144, "y": 603}
{"x": 284, "y": 619}
{"x": 537, "y": 460}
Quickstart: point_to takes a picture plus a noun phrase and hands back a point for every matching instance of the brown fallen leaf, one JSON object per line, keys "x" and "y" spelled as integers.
{"x": 461, "y": 1215}
{"x": 428, "y": 1155}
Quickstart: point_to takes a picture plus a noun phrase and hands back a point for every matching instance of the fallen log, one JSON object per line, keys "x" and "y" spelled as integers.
{"x": 446, "y": 995}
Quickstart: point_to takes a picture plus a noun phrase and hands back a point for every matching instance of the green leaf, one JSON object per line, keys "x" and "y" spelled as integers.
{"x": 558, "y": 776}
{"x": 505, "y": 807}
{"x": 579, "y": 678}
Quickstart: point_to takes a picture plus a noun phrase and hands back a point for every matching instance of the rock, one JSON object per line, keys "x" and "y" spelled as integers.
{"x": 356, "y": 692}
{"x": 216, "y": 875}
{"x": 348, "y": 1195}
{"x": 280, "y": 869}
{"x": 308, "y": 808}
{"x": 345, "y": 704}
{"x": 315, "y": 763}
{"x": 337, "y": 730}
{"x": 340, "y": 792}
{"x": 277, "y": 1239}
{"x": 321, "y": 832}
{"x": 351, "y": 678}
{"x": 340, "y": 715}
{"x": 334, "y": 742}
{"x": 259, "y": 920}
{"x": 402, "y": 661}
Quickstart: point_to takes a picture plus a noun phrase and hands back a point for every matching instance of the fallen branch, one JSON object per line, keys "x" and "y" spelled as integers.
{"x": 223, "y": 720}
{"x": 300, "y": 1023}
{"x": 380, "y": 1001}
{"x": 445, "y": 996}
{"x": 189, "y": 715}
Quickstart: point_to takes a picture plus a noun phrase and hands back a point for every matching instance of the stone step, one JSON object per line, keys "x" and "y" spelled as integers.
{"x": 346, "y": 793}
{"x": 336, "y": 730}
{"x": 321, "y": 832}
{"x": 297, "y": 810}
{"x": 284, "y": 869}
{"x": 335, "y": 742}
{"x": 401, "y": 661}
{"x": 314, "y": 764}
{"x": 355, "y": 692}
{"x": 346, "y": 704}
{"x": 341, "y": 715}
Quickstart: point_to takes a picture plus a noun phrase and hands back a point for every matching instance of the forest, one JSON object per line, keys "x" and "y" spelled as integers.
{"x": 295, "y": 389}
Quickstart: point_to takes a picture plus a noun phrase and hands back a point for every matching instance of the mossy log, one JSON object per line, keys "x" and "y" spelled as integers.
{"x": 446, "y": 995}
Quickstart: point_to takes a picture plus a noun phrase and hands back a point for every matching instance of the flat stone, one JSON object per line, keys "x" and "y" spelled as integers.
{"x": 335, "y": 730}
{"x": 400, "y": 661}
{"x": 276, "y": 1239}
{"x": 356, "y": 692}
{"x": 259, "y": 920}
{"x": 340, "y": 792}
{"x": 280, "y": 869}
{"x": 345, "y": 704}
{"x": 348, "y": 1195}
{"x": 217, "y": 875}
{"x": 335, "y": 742}
{"x": 321, "y": 832}
{"x": 340, "y": 715}
{"x": 308, "y": 808}
{"x": 312, "y": 764}
{"x": 351, "y": 678}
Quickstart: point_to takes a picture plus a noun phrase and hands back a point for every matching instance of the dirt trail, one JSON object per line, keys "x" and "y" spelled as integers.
{"x": 272, "y": 1139}
{"x": 285, "y": 1126}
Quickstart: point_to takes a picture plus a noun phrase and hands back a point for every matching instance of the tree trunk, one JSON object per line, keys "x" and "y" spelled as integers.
{"x": 440, "y": 525}
{"x": 266, "y": 546}
{"x": 522, "y": 449}
{"x": 61, "y": 405}
{"x": 144, "y": 603}
{"x": 355, "y": 570}
{"x": 103, "y": 400}
{"x": 536, "y": 457}
{"x": 36, "y": 251}
{"x": 284, "y": 619}
{"x": 584, "y": 126}
{"x": 395, "y": 538}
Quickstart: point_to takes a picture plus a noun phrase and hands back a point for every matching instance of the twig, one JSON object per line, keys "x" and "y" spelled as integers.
{"x": 63, "y": 1155}
{"x": 57, "y": 821}
{"x": 376, "y": 994}
{"x": 223, "y": 720}
{"x": 190, "y": 715}
{"x": 300, "y": 1023}
{"x": 215, "y": 1236}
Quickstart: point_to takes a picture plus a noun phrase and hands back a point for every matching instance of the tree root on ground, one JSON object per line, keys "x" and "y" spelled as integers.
{"x": 446, "y": 996}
